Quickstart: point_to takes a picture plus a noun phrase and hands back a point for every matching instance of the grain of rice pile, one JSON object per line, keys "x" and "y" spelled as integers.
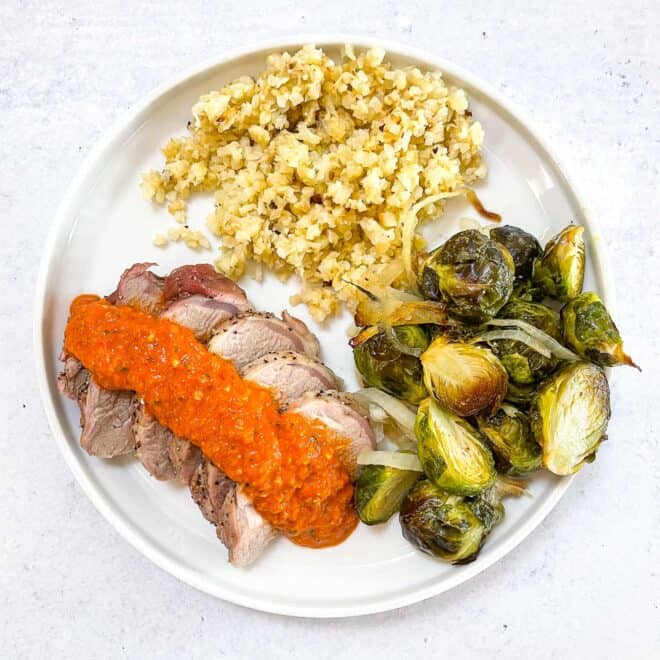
{"x": 314, "y": 165}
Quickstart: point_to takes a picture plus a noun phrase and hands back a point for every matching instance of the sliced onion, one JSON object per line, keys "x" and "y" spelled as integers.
{"x": 396, "y": 409}
{"x": 508, "y": 409}
{"x": 479, "y": 207}
{"x": 386, "y": 307}
{"x": 419, "y": 313}
{"x": 535, "y": 333}
{"x": 408, "y": 233}
{"x": 379, "y": 432}
{"x": 394, "y": 440}
{"x": 395, "y": 459}
{"x": 470, "y": 223}
{"x": 514, "y": 334}
{"x": 390, "y": 273}
{"x": 363, "y": 336}
{"x": 506, "y": 486}
{"x": 390, "y": 293}
{"x": 377, "y": 414}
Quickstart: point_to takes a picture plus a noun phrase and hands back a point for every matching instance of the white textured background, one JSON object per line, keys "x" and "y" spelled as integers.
{"x": 585, "y": 584}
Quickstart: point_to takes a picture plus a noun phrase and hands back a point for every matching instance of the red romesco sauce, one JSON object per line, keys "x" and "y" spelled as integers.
{"x": 290, "y": 466}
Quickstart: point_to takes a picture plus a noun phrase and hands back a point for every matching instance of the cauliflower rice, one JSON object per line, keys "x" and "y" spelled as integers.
{"x": 315, "y": 164}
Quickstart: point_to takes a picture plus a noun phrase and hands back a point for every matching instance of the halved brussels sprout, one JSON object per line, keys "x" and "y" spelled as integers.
{"x": 453, "y": 453}
{"x": 560, "y": 272}
{"x": 510, "y": 437}
{"x": 380, "y": 490}
{"x": 465, "y": 378}
{"x": 471, "y": 273}
{"x": 590, "y": 331}
{"x": 382, "y": 364}
{"x": 524, "y": 249}
{"x": 447, "y": 526}
{"x": 523, "y": 364}
{"x": 569, "y": 416}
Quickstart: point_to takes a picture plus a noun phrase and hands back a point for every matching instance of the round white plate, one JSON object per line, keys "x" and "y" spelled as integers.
{"x": 104, "y": 225}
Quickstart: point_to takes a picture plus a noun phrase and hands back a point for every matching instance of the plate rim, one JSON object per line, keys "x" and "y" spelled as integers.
{"x": 125, "y": 528}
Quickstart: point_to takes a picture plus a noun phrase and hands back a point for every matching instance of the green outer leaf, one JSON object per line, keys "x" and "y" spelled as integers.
{"x": 510, "y": 438}
{"x": 383, "y": 366}
{"x": 590, "y": 331}
{"x": 569, "y": 416}
{"x": 560, "y": 271}
{"x": 379, "y": 492}
{"x": 453, "y": 453}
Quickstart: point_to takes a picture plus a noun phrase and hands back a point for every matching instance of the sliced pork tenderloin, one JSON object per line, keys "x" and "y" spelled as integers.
{"x": 308, "y": 340}
{"x": 341, "y": 413}
{"x": 242, "y": 529}
{"x": 185, "y": 457}
{"x": 199, "y": 492}
{"x": 290, "y": 375}
{"x": 209, "y": 487}
{"x": 202, "y": 315}
{"x": 250, "y": 336}
{"x": 152, "y": 445}
{"x": 200, "y": 299}
{"x": 201, "y": 279}
{"x": 74, "y": 378}
{"x": 218, "y": 485}
{"x": 140, "y": 288}
{"x": 106, "y": 417}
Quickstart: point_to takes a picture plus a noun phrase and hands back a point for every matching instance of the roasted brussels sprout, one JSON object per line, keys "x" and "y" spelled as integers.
{"x": 509, "y": 436}
{"x": 560, "y": 271}
{"x": 523, "y": 364}
{"x": 380, "y": 490}
{"x": 447, "y": 526}
{"x": 526, "y": 291}
{"x": 465, "y": 378}
{"x": 383, "y": 365}
{"x": 569, "y": 416}
{"x": 471, "y": 273}
{"x": 453, "y": 453}
{"x": 590, "y": 331}
{"x": 524, "y": 249}
{"x": 521, "y": 395}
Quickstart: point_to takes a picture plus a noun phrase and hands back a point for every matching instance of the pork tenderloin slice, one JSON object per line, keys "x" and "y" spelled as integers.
{"x": 199, "y": 493}
{"x": 152, "y": 445}
{"x": 140, "y": 288}
{"x": 250, "y": 336}
{"x": 106, "y": 417}
{"x": 242, "y": 529}
{"x": 185, "y": 457}
{"x": 341, "y": 413}
{"x": 201, "y": 279}
{"x": 202, "y": 315}
{"x": 309, "y": 343}
{"x": 218, "y": 486}
{"x": 209, "y": 487}
{"x": 74, "y": 378}
{"x": 290, "y": 375}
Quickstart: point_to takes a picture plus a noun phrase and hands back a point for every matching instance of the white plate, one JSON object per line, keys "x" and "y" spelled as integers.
{"x": 104, "y": 224}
